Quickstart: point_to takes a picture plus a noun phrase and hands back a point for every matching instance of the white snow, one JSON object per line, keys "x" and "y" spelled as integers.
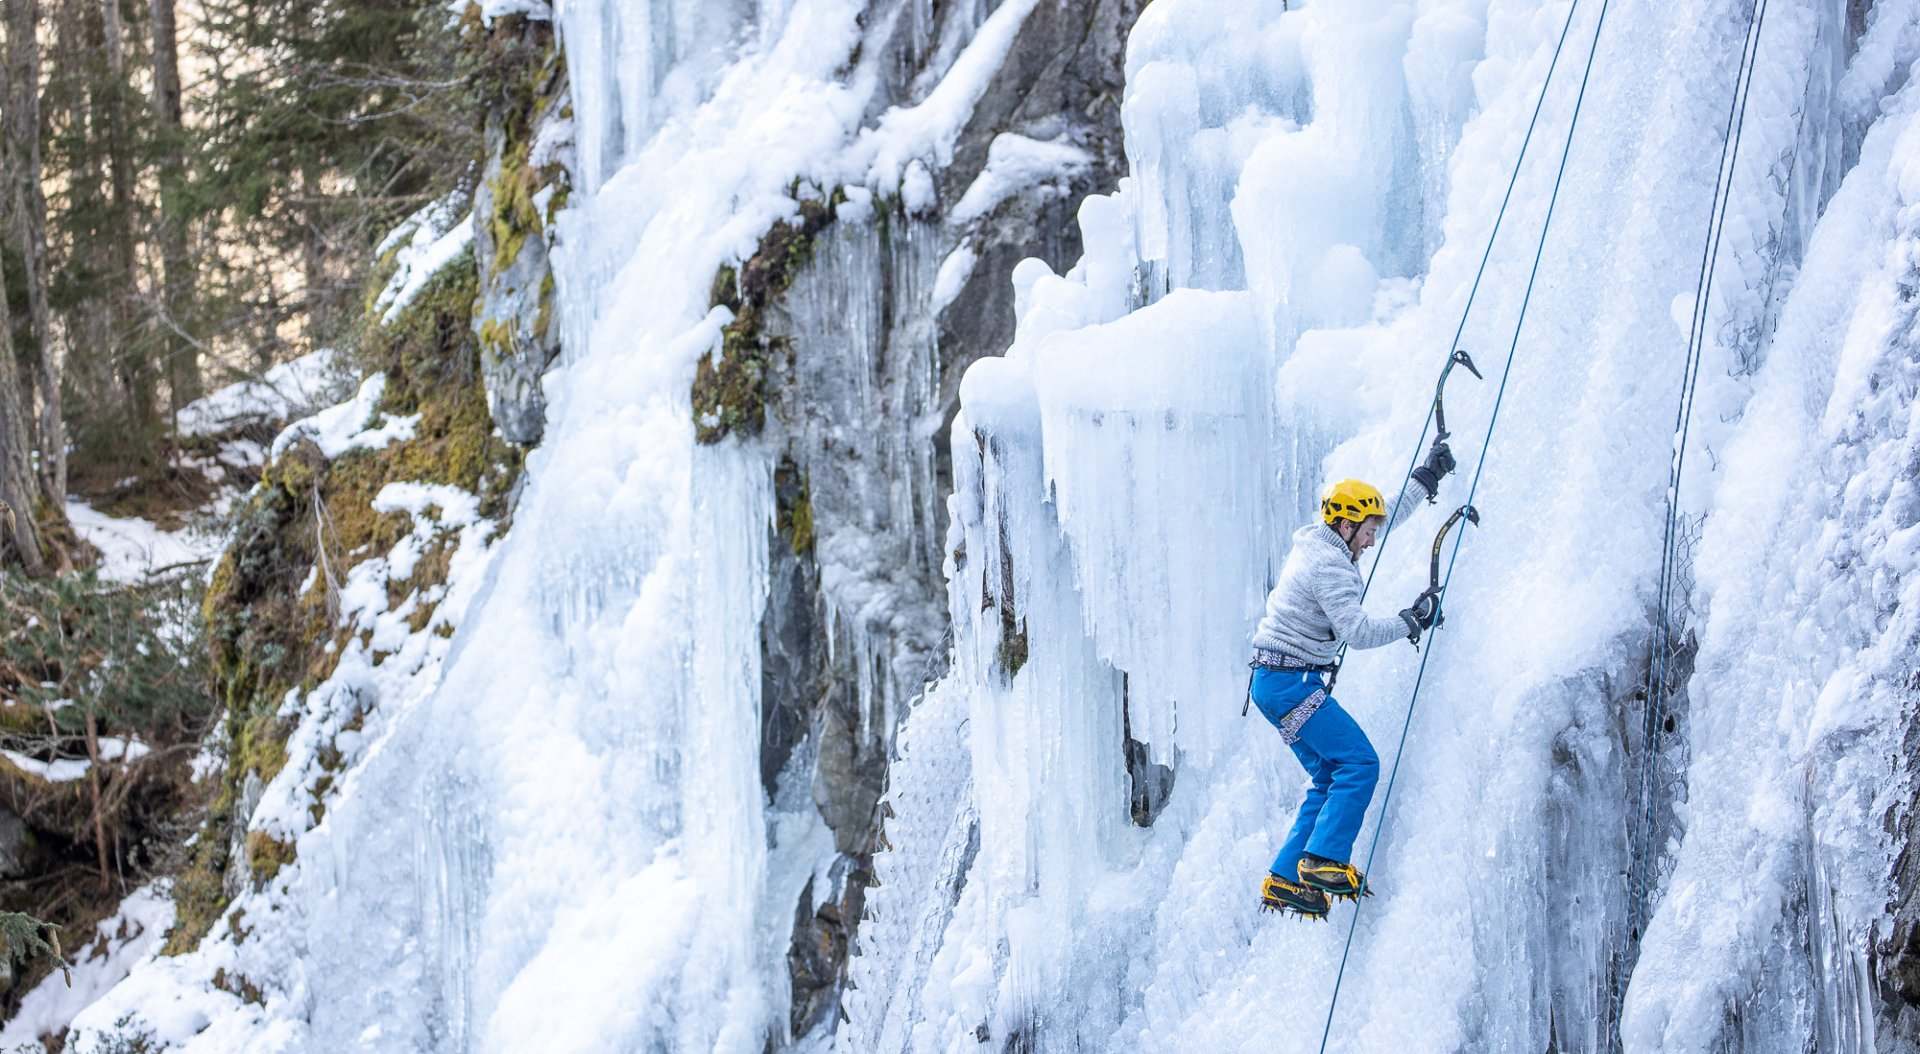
{"x": 131, "y": 548}
{"x": 430, "y": 242}
{"x": 291, "y": 389}
{"x": 62, "y": 770}
{"x": 352, "y": 425}
{"x": 1017, "y": 165}
{"x": 492, "y": 9}
{"x": 130, "y": 935}
{"x": 925, "y": 133}
{"x": 953, "y": 275}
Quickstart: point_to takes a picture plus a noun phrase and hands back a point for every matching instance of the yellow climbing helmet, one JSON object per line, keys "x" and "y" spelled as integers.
{"x": 1351, "y": 500}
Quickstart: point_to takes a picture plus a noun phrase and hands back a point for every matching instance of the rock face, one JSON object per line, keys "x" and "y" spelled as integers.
{"x": 1898, "y": 958}
{"x": 865, "y": 313}
{"x": 523, "y": 183}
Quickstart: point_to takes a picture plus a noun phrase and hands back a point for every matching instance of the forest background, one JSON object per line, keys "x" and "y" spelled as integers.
{"x": 190, "y": 193}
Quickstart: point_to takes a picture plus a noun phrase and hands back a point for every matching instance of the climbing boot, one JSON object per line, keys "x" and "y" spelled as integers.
{"x": 1333, "y": 878}
{"x": 1278, "y": 894}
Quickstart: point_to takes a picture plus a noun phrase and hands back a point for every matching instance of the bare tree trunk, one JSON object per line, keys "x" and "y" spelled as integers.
{"x": 136, "y": 372}
{"x": 86, "y": 321}
{"x": 29, "y": 208}
{"x": 180, "y": 354}
{"x": 19, "y": 540}
{"x": 99, "y": 814}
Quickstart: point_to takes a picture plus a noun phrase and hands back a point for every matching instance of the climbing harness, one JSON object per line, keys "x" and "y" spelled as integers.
{"x": 1471, "y": 515}
{"x": 1493, "y": 419}
{"x": 1641, "y": 877}
{"x": 1280, "y": 660}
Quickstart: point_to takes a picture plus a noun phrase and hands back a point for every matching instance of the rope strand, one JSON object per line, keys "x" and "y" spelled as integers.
{"x": 1473, "y": 291}
{"x": 1493, "y": 419}
{"x": 1682, "y": 428}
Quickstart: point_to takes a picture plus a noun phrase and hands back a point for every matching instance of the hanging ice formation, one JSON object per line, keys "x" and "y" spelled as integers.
{"x": 1329, "y": 173}
{"x": 611, "y": 827}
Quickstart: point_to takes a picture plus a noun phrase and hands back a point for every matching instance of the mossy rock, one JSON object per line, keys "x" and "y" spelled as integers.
{"x": 793, "y": 507}
{"x": 269, "y": 636}
{"x": 730, "y": 388}
{"x": 266, "y": 855}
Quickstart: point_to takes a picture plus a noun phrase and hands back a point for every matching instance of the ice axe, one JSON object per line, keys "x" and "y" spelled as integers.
{"x": 1458, "y": 358}
{"x": 1471, "y": 515}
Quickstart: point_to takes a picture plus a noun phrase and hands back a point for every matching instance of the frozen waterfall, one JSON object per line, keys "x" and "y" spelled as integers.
{"x": 571, "y": 844}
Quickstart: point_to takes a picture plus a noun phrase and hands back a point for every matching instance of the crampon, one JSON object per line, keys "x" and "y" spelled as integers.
{"x": 1335, "y": 879}
{"x": 1278, "y": 894}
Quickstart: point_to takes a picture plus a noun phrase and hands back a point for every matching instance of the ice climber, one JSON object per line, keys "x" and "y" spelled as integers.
{"x": 1313, "y": 609}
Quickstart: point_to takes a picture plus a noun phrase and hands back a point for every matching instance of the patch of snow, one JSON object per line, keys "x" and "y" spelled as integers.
{"x": 428, "y": 248}
{"x": 289, "y": 390}
{"x": 552, "y": 144}
{"x": 1018, "y": 165}
{"x": 954, "y": 272}
{"x": 926, "y": 133}
{"x": 62, "y": 770}
{"x": 492, "y": 9}
{"x": 115, "y": 748}
{"x": 132, "y": 933}
{"x": 351, "y": 425}
{"x": 131, "y": 548}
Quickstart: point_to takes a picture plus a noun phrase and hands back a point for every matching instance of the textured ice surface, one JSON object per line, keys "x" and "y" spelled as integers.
{"x": 1121, "y": 483}
{"x": 558, "y": 839}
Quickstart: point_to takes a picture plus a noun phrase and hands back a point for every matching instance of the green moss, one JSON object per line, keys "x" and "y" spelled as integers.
{"x": 266, "y": 855}
{"x": 802, "y": 535}
{"x": 518, "y": 72}
{"x": 268, "y": 635}
{"x": 513, "y": 216}
{"x": 793, "y": 506}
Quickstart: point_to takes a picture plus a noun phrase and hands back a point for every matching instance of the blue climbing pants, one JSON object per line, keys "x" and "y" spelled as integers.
{"x": 1337, "y": 758}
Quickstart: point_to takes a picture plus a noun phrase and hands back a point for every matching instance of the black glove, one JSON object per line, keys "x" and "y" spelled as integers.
{"x": 1438, "y": 466}
{"x": 1423, "y": 615}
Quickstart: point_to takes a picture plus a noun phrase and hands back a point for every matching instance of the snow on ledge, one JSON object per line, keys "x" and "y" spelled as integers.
{"x": 287, "y": 390}
{"x": 351, "y": 425}
{"x": 905, "y": 136}
{"x": 429, "y": 248}
{"x": 1016, "y": 164}
{"x": 131, "y": 549}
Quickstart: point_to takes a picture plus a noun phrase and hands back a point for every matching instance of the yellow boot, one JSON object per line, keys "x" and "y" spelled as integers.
{"x": 1278, "y": 894}
{"x": 1333, "y": 878}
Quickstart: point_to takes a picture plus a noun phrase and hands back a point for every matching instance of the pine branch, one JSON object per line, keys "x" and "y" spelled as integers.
{"x": 22, "y": 937}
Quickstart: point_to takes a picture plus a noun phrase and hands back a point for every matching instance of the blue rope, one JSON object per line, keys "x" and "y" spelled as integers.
{"x": 1683, "y": 426}
{"x": 1479, "y": 468}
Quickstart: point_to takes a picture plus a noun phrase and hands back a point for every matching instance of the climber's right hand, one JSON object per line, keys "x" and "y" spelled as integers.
{"x": 1422, "y": 614}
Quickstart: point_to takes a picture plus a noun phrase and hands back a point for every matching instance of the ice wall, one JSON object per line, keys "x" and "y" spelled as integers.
{"x": 619, "y": 816}
{"x": 1127, "y": 472}
{"x": 624, "y": 814}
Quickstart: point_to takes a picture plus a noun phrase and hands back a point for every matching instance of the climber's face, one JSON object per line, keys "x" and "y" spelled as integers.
{"x": 1361, "y": 538}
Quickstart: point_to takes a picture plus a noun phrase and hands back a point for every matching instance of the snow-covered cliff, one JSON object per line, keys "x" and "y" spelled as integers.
{"x": 800, "y": 643}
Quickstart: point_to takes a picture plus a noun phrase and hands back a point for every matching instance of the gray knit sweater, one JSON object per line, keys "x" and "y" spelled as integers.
{"x": 1316, "y": 603}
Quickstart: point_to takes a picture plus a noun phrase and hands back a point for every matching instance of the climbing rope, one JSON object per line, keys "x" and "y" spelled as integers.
{"x": 1682, "y": 427}
{"x": 1472, "y": 291}
{"x": 1479, "y": 468}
